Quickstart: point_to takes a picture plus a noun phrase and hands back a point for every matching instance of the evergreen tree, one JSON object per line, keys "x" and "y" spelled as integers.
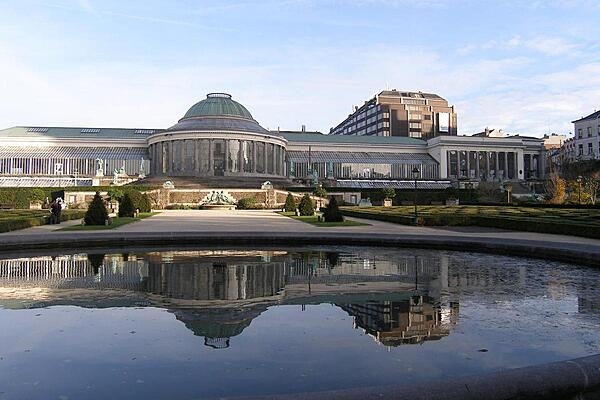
{"x": 332, "y": 212}
{"x": 290, "y": 203}
{"x": 306, "y": 206}
{"x": 126, "y": 208}
{"x": 320, "y": 191}
{"x": 96, "y": 213}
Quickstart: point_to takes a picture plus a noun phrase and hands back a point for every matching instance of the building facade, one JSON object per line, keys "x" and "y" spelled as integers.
{"x": 587, "y": 137}
{"x": 407, "y": 114}
{"x": 218, "y": 139}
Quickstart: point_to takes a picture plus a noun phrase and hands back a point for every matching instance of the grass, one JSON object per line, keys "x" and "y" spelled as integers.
{"x": 12, "y": 220}
{"x": 116, "y": 222}
{"x": 313, "y": 220}
{"x": 568, "y": 221}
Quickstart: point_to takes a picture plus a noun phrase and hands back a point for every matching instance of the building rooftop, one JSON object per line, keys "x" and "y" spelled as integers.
{"x": 218, "y": 112}
{"x": 74, "y": 132}
{"x": 218, "y": 105}
{"x": 416, "y": 95}
{"x": 350, "y": 139}
{"x": 594, "y": 115}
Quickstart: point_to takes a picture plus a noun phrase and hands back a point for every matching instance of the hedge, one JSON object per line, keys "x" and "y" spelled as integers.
{"x": 12, "y": 221}
{"x": 584, "y": 226}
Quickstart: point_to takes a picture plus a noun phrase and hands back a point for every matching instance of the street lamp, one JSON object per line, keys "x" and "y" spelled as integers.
{"x": 415, "y": 173}
{"x": 579, "y": 180}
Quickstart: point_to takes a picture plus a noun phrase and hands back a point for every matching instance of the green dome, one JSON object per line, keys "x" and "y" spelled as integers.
{"x": 216, "y": 105}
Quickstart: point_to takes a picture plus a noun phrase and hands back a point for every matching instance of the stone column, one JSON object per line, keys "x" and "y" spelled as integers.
{"x": 252, "y": 145}
{"x": 171, "y": 156}
{"x": 458, "y": 169}
{"x": 487, "y": 164}
{"x": 240, "y": 157}
{"x": 226, "y": 149}
{"x": 265, "y": 153}
{"x": 211, "y": 158}
{"x": 506, "y": 165}
{"x": 196, "y": 157}
{"x": 497, "y": 166}
{"x": 469, "y": 164}
{"x": 477, "y": 164}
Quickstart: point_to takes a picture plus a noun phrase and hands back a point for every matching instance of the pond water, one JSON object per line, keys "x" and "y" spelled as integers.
{"x": 207, "y": 323}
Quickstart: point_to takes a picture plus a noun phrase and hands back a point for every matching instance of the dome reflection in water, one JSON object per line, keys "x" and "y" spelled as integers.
{"x": 183, "y": 323}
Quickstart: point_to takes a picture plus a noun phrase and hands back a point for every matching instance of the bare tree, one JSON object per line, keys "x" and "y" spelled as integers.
{"x": 592, "y": 186}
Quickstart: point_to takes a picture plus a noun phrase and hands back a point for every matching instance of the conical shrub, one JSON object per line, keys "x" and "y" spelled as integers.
{"x": 306, "y": 206}
{"x": 126, "y": 208}
{"x": 96, "y": 213}
{"x": 332, "y": 212}
{"x": 290, "y": 203}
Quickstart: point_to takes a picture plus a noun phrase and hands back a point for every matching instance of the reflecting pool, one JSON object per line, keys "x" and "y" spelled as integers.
{"x": 209, "y": 323}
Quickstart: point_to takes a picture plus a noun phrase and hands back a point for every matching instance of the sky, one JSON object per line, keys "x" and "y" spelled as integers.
{"x": 527, "y": 67}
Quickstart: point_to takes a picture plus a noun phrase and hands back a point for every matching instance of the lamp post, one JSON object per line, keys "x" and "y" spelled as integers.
{"x": 579, "y": 180}
{"x": 415, "y": 173}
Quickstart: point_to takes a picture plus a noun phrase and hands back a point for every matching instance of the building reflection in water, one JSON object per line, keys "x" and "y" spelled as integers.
{"x": 414, "y": 320}
{"x": 396, "y": 296}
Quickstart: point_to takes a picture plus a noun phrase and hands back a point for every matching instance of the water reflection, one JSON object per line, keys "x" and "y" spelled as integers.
{"x": 411, "y": 321}
{"x": 395, "y": 296}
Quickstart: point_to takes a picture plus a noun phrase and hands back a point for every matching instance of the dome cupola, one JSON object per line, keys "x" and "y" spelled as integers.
{"x": 218, "y": 105}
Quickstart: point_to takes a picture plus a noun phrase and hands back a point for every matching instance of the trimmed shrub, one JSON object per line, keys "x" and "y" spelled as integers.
{"x": 332, "y": 212}
{"x": 140, "y": 200}
{"x": 126, "y": 208}
{"x": 246, "y": 203}
{"x": 306, "y": 206}
{"x": 96, "y": 213}
{"x": 290, "y": 203}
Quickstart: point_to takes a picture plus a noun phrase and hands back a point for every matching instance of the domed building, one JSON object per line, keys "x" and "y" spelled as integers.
{"x": 217, "y": 137}
{"x": 217, "y": 143}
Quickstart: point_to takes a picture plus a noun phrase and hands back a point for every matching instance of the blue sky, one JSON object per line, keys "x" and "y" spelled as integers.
{"x": 527, "y": 67}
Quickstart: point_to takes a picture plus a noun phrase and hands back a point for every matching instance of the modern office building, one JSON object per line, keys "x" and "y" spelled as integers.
{"x": 218, "y": 141}
{"x": 396, "y": 113}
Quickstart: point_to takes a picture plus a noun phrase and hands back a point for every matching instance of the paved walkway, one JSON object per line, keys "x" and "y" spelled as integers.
{"x": 267, "y": 224}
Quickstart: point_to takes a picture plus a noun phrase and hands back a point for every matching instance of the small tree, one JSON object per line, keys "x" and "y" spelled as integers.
{"x": 320, "y": 191}
{"x": 306, "y": 206}
{"x": 126, "y": 207}
{"x": 96, "y": 213}
{"x": 388, "y": 193}
{"x": 290, "y": 203}
{"x": 332, "y": 212}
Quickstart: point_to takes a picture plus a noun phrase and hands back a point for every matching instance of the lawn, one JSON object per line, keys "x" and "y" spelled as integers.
{"x": 569, "y": 221}
{"x": 116, "y": 222}
{"x": 12, "y": 220}
{"x": 313, "y": 220}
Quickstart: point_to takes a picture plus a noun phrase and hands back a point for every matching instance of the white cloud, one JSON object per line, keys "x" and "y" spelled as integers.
{"x": 312, "y": 86}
